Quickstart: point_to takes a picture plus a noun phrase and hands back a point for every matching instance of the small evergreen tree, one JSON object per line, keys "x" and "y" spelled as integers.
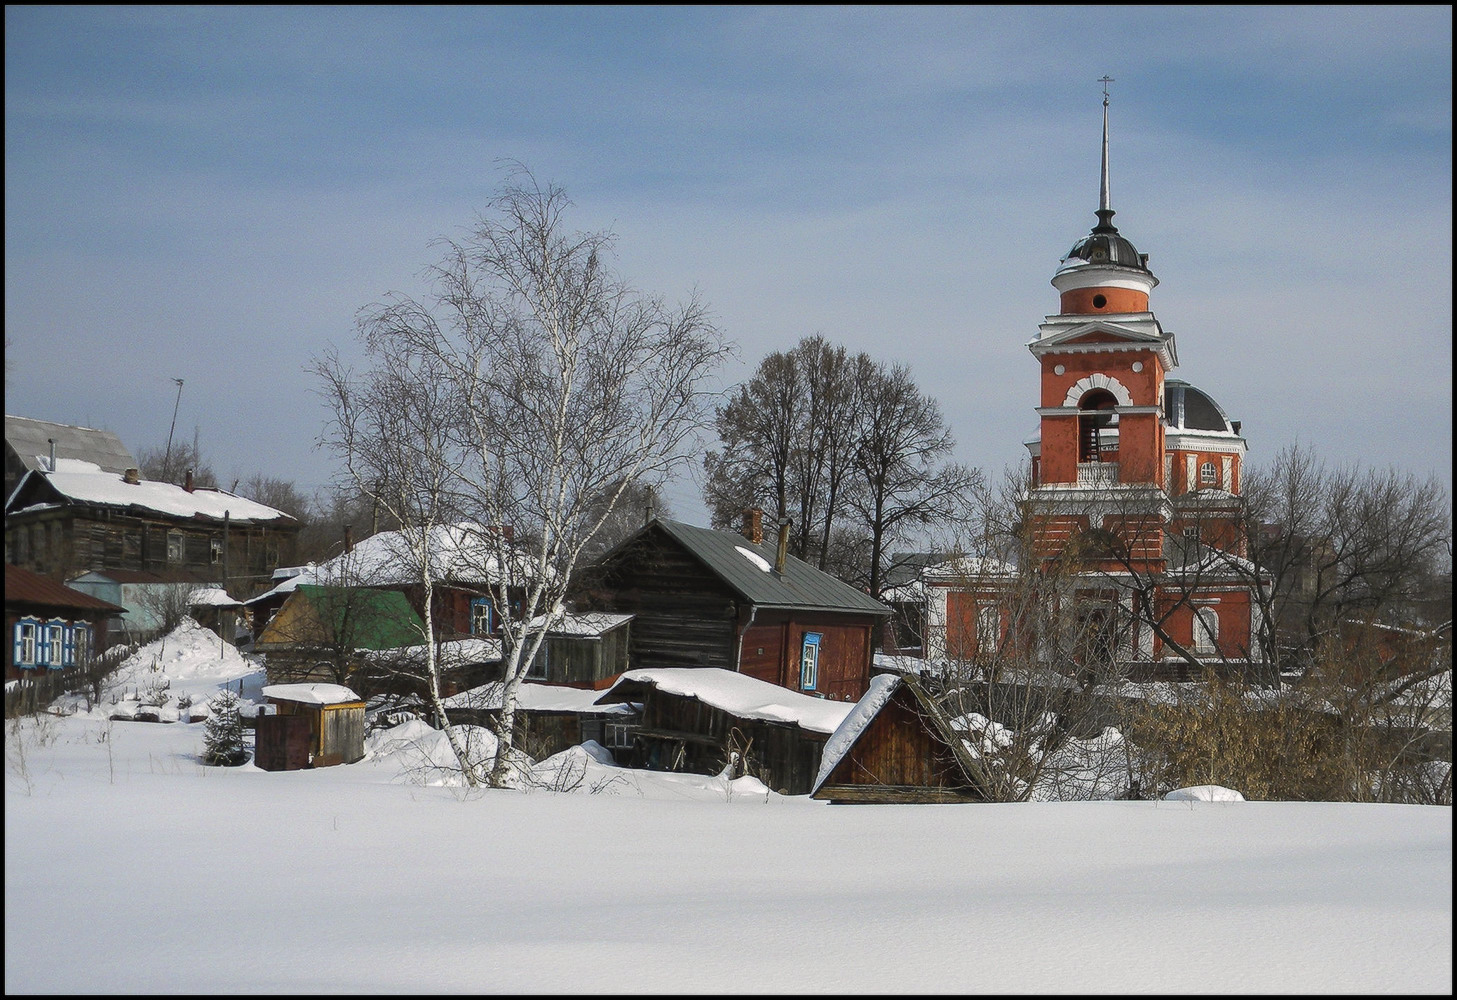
{"x": 222, "y": 739}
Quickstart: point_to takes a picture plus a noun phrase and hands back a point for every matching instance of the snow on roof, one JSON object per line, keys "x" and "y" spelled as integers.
{"x": 739, "y": 695}
{"x": 459, "y": 553}
{"x": 968, "y": 566}
{"x": 311, "y": 694}
{"x": 214, "y": 597}
{"x": 585, "y": 624}
{"x": 882, "y": 686}
{"x": 87, "y": 482}
{"x": 537, "y": 698}
{"x": 450, "y": 654}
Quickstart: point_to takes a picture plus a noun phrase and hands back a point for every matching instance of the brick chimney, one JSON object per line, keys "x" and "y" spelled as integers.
{"x": 187, "y": 483}
{"x": 754, "y": 525}
{"x": 782, "y": 553}
{"x": 132, "y": 476}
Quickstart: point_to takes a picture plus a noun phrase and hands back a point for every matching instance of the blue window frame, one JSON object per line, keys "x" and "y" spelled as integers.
{"x": 809, "y": 662}
{"x": 482, "y": 616}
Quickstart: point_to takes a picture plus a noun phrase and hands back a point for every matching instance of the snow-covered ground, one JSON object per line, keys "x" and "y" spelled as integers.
{"x": 131, "y": 868}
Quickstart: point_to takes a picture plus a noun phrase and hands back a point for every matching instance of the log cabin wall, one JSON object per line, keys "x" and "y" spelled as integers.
{"x": 684, "y": 616}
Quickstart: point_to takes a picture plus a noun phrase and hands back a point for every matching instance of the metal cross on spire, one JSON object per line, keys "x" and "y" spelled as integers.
{"x": 1105, "y": 200}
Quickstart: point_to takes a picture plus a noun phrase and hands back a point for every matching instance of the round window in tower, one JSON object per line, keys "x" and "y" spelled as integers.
{"x": 1099, "y": 301}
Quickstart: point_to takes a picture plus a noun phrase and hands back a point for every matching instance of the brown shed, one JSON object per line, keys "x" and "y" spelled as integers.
{"x": 336, "y": 725}
{"x": 894, "y": 746}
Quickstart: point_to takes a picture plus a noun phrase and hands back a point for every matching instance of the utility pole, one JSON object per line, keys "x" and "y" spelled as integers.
{"x": 167, "y": 458}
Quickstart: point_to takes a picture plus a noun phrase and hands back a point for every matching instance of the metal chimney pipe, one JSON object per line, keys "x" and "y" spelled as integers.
{"x": 52, "y": 443}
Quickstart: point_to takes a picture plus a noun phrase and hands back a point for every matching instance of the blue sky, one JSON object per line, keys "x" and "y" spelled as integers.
{"x": 212, "y": 194}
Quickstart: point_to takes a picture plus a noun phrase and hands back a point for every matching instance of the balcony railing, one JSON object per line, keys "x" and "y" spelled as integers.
{"x": 1097, "y": 473}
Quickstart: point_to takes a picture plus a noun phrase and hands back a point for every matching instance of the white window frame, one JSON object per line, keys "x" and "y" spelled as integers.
{"x": 26, "y": 633}
{"x": 477, "y": 606}
{"x": 176, "y": 547}
{"x": 809, "y": 661}
{"x": 55, "y": 639}
{"x": 1206, "y": 630}
{"x": 988, "y": 629}
{"x": 1208, "y": 474}
{"x": 618, "y": 735}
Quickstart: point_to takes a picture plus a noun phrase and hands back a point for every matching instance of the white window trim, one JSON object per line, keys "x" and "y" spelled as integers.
{"x": 809, "y": 665}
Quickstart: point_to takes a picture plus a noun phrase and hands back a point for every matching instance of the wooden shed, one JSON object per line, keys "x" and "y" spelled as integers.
{"x": 894, "y": 746}
{"x": 335, "y": 717}
{"x": 702, "y": 719}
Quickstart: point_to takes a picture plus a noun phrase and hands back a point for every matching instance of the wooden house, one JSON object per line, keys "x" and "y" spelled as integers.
{"x": 894, "y": 746}
{"x": 78, "y": 518}
{"x": 335, "y": 724}
{"x": 705, "y": 720}
{"x": 54, "y": 631}
{"x": 463, "y": 573}
{"x": 700, "y": 597}
{"x": 582, "y": 650}
{"x": 550, "y": 718}
{"x": 324, "y": 634}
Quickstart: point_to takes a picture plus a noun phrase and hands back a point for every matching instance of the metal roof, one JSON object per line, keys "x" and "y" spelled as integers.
{"x": 742, "y": 565}
{"x": 26, "y": 589}
{"x": 31, "y": 439}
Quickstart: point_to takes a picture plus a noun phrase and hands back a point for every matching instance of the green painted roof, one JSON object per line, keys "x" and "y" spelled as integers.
{"x": 800, "y": 586}
{"x": 379, "y": 619}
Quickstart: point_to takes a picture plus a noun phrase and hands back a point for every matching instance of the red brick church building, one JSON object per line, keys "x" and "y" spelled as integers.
{"x": 1133, "y": 503}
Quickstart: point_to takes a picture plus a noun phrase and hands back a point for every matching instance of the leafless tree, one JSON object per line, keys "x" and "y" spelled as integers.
{"x": 901, "y": 461}
{"x": 397, "y": 428}
{"x": 560, "y": 387}
{"x": 165, "y": 465}
{"x": 1345, "y": 544}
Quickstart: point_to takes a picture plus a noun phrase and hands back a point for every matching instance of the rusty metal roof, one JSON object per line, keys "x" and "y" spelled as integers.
{"x": 24, "y": 589}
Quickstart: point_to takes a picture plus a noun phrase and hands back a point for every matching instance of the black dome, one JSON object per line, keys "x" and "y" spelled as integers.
{"x": 1107, "y": 248}
{"x": 1104, "y": 245}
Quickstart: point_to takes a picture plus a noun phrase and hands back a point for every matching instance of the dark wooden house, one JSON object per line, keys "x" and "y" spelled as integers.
{"x": 550, "y": 718}
{"x": 700, "y": 597}
{"x": 705, "y": 720}
{"x": 894, "y": 746}
{"x": 79, "y": 518}
{"x": 583, "y": 650}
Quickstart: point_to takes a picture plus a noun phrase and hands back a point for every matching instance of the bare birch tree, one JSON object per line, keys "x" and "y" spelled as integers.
{"x": 396, "y": 428}
{"x": 563, "y": 387}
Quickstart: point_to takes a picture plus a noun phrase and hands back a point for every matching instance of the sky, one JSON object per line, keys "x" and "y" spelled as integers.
{"x": 213, "y": 194}
{"x": 382, "y": 877}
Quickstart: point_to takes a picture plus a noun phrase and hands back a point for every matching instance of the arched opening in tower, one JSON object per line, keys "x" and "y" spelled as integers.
{"x": 1098, "y": 427}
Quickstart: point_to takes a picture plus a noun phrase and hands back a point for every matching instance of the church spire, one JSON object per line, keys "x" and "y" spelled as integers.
{"x": 1105, "y": 200}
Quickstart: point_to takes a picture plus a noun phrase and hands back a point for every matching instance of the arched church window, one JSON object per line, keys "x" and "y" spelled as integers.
{"x": 1206, "y": 630}
{"x": 1208, "y": 474}
{"x": 1097, "y": 427}
{"x": 988, "y": 630}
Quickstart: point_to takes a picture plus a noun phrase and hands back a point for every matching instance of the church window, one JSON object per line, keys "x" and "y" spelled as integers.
{"x": 1206, "y": 630}
{"x": 988, "y": 630}
{"x": 1099, "y": 301}
{"x": 1208, "y": 474}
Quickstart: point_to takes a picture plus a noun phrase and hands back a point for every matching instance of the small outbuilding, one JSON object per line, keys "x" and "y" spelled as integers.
{"x": 333, "y": 714}
{"x": 894, "y": 746}
{"x": 704, "y": 720}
